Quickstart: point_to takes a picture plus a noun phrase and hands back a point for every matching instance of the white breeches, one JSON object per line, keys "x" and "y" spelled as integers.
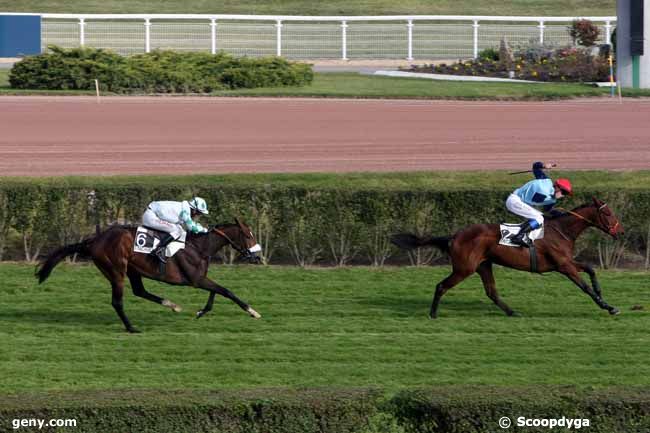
{"x": 518, "y": 207}
{"x": 151, "y": 220}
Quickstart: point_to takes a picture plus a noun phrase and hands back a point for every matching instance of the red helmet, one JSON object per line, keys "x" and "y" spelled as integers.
{"x": 564, "y": 185}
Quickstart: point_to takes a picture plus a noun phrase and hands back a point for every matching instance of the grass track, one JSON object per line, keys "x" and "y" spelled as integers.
{"x": 320, "y": 327}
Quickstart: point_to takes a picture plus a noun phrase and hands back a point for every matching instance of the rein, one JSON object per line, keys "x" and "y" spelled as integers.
{"x": 577, "y": 215}
{"x": 230, "y": 241}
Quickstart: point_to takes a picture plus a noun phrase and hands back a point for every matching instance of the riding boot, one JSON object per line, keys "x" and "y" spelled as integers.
{"x": 518, "y": 239}
{"x": 160, "y": 250}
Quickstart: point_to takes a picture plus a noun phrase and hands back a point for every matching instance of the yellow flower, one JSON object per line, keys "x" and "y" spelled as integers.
{"x": 534, "y": 73}
{"x": 518, "y": 67}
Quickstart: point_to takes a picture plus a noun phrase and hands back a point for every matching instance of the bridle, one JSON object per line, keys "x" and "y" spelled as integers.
{"x": 611, "y": 230}
{"x": 244, "y": 252}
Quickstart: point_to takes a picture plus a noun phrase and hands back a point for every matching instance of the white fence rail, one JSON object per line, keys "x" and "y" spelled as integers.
{"x": 310, "y": 37}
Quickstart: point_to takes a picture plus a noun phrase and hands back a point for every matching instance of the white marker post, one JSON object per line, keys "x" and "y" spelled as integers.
{"x": 97, "y": 89}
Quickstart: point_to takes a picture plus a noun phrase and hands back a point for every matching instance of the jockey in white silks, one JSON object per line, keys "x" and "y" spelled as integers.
{"x": 542, "y": 192}
{"x": 174, "y": 218}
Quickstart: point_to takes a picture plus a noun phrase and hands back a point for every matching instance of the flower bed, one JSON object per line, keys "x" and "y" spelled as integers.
{"x": 559, "y": 65}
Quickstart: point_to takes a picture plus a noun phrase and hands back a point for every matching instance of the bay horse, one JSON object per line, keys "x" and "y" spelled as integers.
{"x": 476, "y": 247}
{"x": 112, "y": 252}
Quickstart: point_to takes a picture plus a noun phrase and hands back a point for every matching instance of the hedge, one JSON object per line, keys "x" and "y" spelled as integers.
{"x": 155, "y": 72}
{"x": 254, "y": 411}
{"x": 478, "y": 410}
{"x": 450, "y": 409}
{"x": 334, "y": 221}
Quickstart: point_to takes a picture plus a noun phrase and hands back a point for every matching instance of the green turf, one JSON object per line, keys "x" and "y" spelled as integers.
{"x": 352, "y": 85}
{"x": 320, "y": 327}
{"x": 332, "y": 7}
{"x": 593, "y": 180}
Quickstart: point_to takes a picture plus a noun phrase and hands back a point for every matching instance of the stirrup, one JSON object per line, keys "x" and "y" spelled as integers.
{"x": 160, "y": 253}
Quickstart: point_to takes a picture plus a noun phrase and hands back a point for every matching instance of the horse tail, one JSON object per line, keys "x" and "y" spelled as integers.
{"x": 409, "y": 241}
{"x": 45, "y": 268}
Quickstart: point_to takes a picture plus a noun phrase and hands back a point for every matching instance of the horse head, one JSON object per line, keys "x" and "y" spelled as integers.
{"x": 241, "y": 238}
{"x": 603, "y": 218}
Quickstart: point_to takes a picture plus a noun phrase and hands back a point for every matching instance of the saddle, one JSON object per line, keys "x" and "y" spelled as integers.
{"x": 147, "y": 239}
{"x": 509, "y": 230}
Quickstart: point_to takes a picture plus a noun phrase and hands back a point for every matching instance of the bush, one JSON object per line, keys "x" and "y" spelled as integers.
{"x": 445, "y": 409}
{"x": 584, "y": 32}
{"x": 337, "y": 222}
{"x": 489, "y": 54}
{"x": 155, "y": 72}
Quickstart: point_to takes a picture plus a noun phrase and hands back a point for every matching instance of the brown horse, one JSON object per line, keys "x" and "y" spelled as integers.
{"x": 112, "y": 252}
{"x": 476, "y": 247}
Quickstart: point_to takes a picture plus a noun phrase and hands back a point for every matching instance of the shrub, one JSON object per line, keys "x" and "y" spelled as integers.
{"x": 155, "y": 72}
{"x": 584, "y": 32}
{"x": 489, "y": 54}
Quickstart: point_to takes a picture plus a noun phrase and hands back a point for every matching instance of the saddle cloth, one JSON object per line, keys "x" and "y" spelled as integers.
{"x": 146, "y": 241}
{"x": 509, "y": 230}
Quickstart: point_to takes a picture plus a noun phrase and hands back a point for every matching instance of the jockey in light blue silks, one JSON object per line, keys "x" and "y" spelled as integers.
{"x": 174, "y": 218}
{"x": 541, "y": 192}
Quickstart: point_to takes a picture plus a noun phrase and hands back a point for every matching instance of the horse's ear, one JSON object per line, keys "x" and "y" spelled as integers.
{"x": 596, "y": 201}
{"x": 238, "y": 221}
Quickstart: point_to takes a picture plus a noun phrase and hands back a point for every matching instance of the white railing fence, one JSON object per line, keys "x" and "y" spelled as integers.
{"x": 310, "y": 37}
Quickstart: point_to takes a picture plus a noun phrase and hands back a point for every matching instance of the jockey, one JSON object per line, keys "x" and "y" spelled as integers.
{"x": 174, "y": 218}
{"x": 541, "y": 191}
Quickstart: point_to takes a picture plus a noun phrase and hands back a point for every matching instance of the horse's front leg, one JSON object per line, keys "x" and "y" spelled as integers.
{"x": 208, "y": 306}
{"x": 215, "y": 289}
{"x": 583, "y": 267}
{"x": 571, "y": 272}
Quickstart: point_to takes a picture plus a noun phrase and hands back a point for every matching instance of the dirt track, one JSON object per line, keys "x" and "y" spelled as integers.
{"x": 42, "y": 136}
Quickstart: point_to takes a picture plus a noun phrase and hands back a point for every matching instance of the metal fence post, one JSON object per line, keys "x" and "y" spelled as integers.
{"x": 213, "y": 36}
{"x": 82, "y": 32}
{"x": 147, "y": 35}
{"x": 410, "y": 44}
{"x": 541, "y": 31}
{"x": 278, "y": 26}
{"x": 475, "y": 26}
{"x": 344, "y": 42}
{"x": 608, "y": 32}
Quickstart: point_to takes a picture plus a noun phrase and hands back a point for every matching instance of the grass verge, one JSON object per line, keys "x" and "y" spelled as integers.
{"x": 353, "y": 85}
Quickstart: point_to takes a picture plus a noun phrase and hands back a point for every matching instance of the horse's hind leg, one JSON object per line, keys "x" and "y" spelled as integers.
{"x": 138, "y": 290}
{"x": 456, "y": 277}
{"x": 485, "y": 271}
{"x": 118, "y": 292}
{"x": 117, "y": 284}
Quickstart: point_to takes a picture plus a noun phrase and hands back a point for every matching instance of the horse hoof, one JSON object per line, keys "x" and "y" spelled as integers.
{"x": 614, "y": 311}
{"x": 133, "y": 331}
{"x": 432, "y": 316}
{"x": 253, "y": 313}
{"x": 169, "y": 304}
{"x": 513, "y": 314}
{"x": 200, "y": 314}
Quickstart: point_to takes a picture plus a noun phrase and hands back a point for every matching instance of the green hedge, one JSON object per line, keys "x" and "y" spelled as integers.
{"x": 255, "y": 411}
{"x": 478, "y": 410}
{"x": 306, "y": 219}
{"x": 456, "y": 409}
{"x": 155, "y": 72}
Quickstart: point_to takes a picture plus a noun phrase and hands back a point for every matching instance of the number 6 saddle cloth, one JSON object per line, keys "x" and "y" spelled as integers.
{"x": 147, "y": 240}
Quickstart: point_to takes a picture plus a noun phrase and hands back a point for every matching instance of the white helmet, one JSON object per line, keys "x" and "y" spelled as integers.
{"x": 198, "y": 204}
